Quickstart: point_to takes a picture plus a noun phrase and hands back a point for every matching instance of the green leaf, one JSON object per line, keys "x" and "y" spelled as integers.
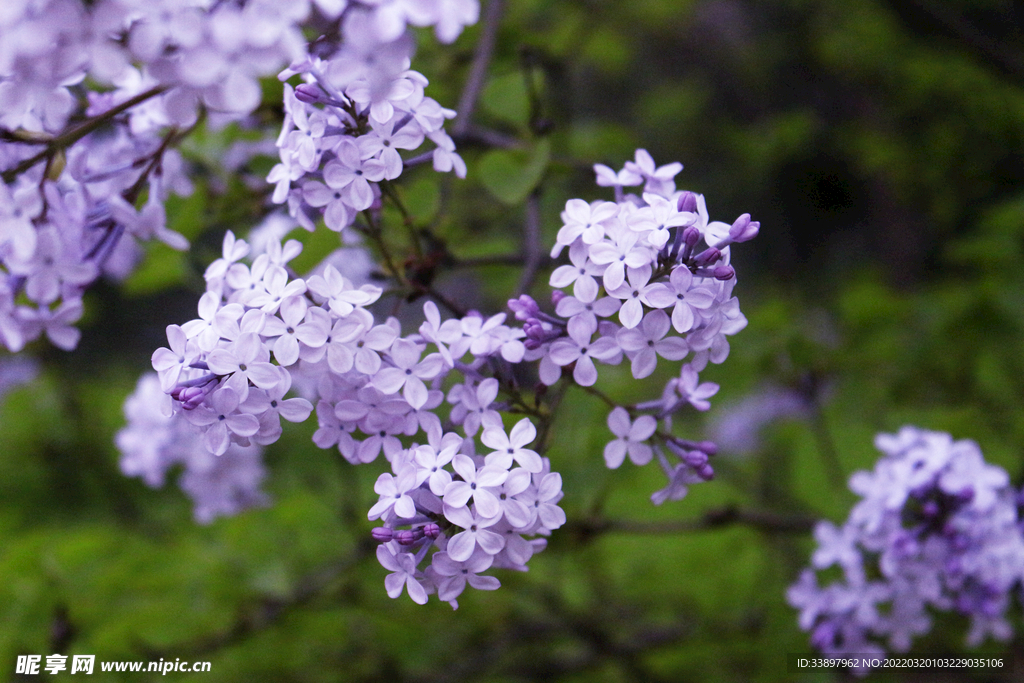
{"x": 505, "y": 98}
{"x": 511, "y": 174}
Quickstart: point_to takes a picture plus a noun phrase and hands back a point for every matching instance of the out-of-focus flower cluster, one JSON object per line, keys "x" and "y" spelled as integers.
{"x": 937, "y": 529}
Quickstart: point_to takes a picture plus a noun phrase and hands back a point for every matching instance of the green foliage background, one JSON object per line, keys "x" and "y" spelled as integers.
{"x": 879, "y": 144}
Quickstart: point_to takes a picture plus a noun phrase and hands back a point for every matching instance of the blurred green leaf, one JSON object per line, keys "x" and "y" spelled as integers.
{"x": 511, "y": 174}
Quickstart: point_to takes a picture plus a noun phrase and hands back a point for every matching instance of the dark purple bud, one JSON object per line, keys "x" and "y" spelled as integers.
{"x": 724, "y": 272}
{"x": 687, "y": 202}
{"x": 382, "y": 534}
{"x": 308, "y": 93}
{"x": 706, "y": 472}
{"x": 406, "y": 537}
{"x": 709, "y": 447}
{"x": 691, "y": 236}
{"x": 557, "y": 295}
{"x": 744, "y": 229}
{"x": 695, "y": 459}
{"x": 532, "y": 344}
{"x": 707, "y": 257}
{"x": 431, "y": 530}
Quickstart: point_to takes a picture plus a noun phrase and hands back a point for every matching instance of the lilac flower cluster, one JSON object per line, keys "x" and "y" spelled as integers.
{"x": 262, "y": 329}
{"x": 937, "y": 530}
{"x": 225, "y": 376}
{"x": 344, "y": 128}
{"x": 650, "y": 277}
{"x": 96, "y": 96}
{"x": 479, "y": 513}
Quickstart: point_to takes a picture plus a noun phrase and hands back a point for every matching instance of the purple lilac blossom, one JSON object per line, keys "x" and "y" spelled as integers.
{"x": 936, "y": 530}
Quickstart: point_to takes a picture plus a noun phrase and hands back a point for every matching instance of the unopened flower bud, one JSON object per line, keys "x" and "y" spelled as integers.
{"x": 687, "y": 202}
{"x": 557, "y": 295}
{"x": 382, "y": 534}
{"x": 709, "y": 447}
{"x": 524, "y": 307}
{"x": 695, "y": 459}
{"x": 431, "y": 530}
{"x": 706, "y": 472}
{"x": 190, "y": 397}
{"x": 707, "y": 257}
{"x": 691, "y": 236}
{"x": 724, "y": 273}
{"x": 744, "y": 229}
{"x": 406, "y": 537}
{"x": 308, "y": 93}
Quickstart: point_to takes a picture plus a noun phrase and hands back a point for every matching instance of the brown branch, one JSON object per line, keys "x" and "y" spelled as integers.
{"x": 478, "y": 71}
{"x": 761, "y": 520}
{"x": 69, "y": 137}
{"x": 532, "y": 253}
{"x": 268, "y": 611}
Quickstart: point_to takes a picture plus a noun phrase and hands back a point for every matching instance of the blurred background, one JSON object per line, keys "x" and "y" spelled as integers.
{"x": 881, "y": 146}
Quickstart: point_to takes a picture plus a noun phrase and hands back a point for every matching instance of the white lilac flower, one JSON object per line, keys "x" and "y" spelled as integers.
{"x": 657, "y": 179}
{"x": 475, "y": 484}
{"x": 512, "y": 447}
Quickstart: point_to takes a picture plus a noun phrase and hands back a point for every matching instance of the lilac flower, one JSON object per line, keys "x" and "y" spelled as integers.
{"x": 384, "y": 141}
{"x": 352, "y": 175}
{"x": 657, "y": 218}
{"x": 636, "y": 293}
{"x": 475, "y": 533}
{"x": 475, "y": 485}
{"x": 169, "y": 362}
{"x": 455, "y": 575}
{"x": 645, "y": 343}
{"x": 541, "y": 499}
{"x": 570, "y": 307}
{"x": 631, "y": 438}
{"x": 221, "y": 420}
{"x": 659, "y": 180}
{"x": 579, "y": 349}
{"x": 626, "y": 251}
{"x": 692, "y": 390}
{"x": 584, "y": 221}
{"x": 931, "y": 548}
{"x": 293, "y": 327}
{"x": 472, "y": 406}
{"x": 580, "y": 274}
{"x": 394, "y": 495}
{"x": 408, "y": 372}
{"x": 246, "y": 360}
{"x": 403, "y": 574}
{"x": 512, "y": 446}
